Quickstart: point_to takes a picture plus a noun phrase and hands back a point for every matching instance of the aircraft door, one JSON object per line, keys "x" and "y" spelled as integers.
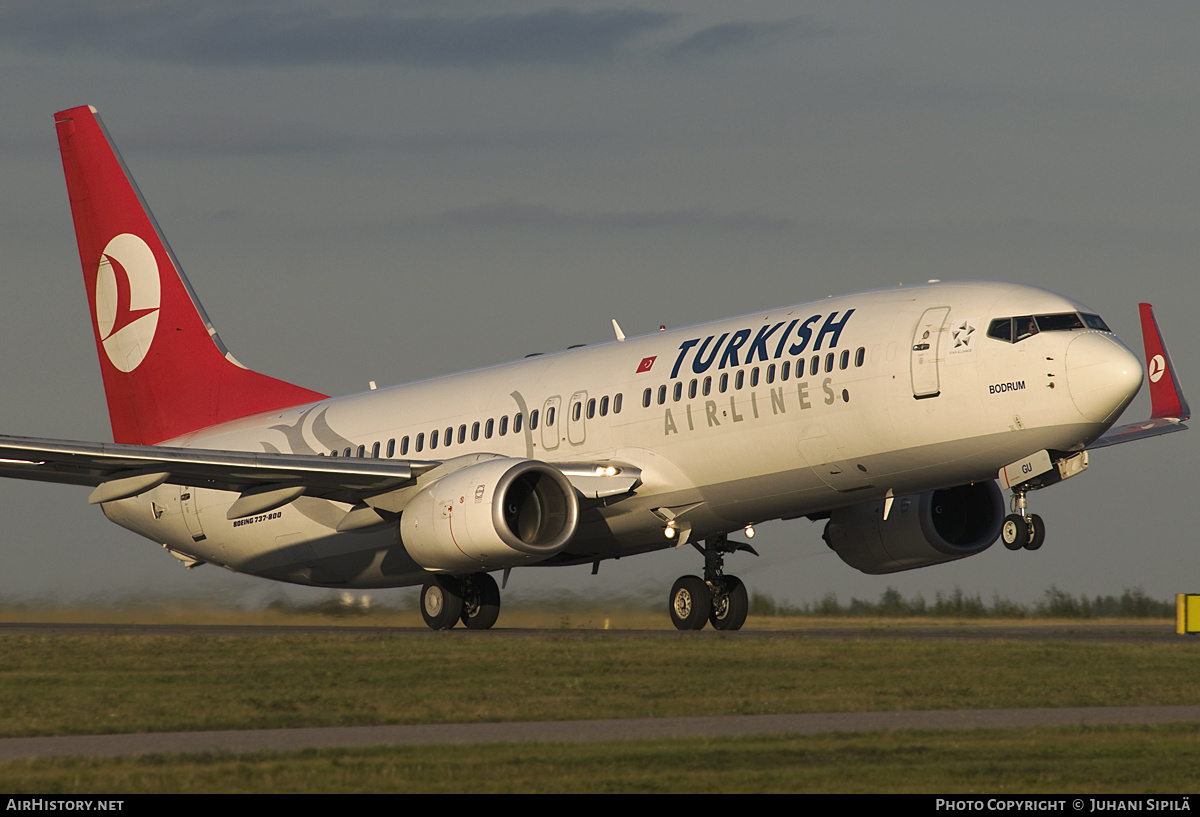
{"x": 551, "y": 422}
{"x": 925, "y": 349}
{"x": 576, "y": 421}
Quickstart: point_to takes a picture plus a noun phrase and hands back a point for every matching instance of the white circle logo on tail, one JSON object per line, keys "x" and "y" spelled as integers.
{"x": 1157, "y": 367}
{"x": 128, "y": 295}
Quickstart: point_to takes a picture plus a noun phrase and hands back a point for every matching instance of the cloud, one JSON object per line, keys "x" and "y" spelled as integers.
{"x": 724, "y": 38}
{"x": 223, "y": 135}
{"x": 510, "y": 214}
{"x": 273, "y": 34}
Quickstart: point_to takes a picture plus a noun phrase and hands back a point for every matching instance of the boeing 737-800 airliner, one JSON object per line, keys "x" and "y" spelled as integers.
{"x": 891, "y": 414}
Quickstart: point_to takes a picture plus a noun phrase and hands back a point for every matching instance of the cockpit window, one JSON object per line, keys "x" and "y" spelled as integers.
{"x": 1015, "y": 330}
{"x": 1058, "y": 323}
{"x": 1001, "y": 329}
{"x": 1024, "y": 327}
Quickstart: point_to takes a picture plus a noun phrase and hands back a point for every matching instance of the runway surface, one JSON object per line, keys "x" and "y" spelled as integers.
{"x": 580, "y": 731}
{"x": 1138, "y": 633}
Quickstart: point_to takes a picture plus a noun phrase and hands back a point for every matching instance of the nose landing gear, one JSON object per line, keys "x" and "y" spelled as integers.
{"x": 1021, "y": 529}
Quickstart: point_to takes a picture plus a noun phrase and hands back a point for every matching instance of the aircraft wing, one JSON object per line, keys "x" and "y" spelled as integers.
{"x": 119, "y": 471}
{"x": 265, "y": 481}
{"x": 1168, "y": 407}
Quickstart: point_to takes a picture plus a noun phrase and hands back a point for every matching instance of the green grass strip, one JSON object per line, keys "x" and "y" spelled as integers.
{"x": 1125, "y": 759}
{"x": 93, "y": 684}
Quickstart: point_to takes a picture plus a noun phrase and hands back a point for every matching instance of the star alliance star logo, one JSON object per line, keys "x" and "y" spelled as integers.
{"x": 964, "y": 333}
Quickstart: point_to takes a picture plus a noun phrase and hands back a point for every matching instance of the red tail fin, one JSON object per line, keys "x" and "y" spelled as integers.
{"x": 165, "y": 370}
{"x": 1166, "y": 397}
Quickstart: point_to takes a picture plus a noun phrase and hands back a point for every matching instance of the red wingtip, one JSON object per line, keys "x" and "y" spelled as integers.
{"x": 1166, "y": 396}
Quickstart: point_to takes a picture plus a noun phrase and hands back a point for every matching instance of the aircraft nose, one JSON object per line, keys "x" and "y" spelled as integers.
{"x": 1103, "y": 376}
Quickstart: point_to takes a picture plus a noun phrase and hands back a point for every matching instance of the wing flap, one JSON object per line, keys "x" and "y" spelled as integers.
{"x": 123, "y": 467}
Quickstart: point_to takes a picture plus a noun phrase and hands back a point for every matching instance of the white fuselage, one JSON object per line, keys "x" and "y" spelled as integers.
{"x": 907, "y": 394}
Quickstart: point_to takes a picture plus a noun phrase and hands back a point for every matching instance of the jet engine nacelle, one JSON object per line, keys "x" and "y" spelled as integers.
{"x": 927, "y": 529}
{"x": 499, "y": 513}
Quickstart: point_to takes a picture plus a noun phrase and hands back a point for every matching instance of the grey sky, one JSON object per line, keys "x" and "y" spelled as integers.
{"x": 387, "y": 191}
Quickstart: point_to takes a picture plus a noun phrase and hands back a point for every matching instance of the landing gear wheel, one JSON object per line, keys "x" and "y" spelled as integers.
{"x": 1037, "y": 532}
{"x": 729, "y": 608}
{"x": 441, "y": 602}
{"x": 1014, "y": 532}
{"x": 691, "y": 602}
{"x": 480, "y": 601}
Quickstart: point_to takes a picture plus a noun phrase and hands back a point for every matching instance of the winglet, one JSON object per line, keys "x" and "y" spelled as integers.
{"x": 1168, "y": 407}
{"x": 1166, "y": 396}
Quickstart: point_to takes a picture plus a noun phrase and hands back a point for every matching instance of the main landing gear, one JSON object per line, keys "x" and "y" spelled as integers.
{"x": 1021, "y": 529}
{"x": 716, "y": 599}
{"x": 473, "y": 599}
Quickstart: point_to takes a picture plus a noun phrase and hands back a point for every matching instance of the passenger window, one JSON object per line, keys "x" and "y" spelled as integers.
{"x": 707, "y": 388}
{"x": 475, "y": 431}
{"x": 829, "y": 362}
{"x": 533, "y": 418}
{"x": 754, "y": 377}
{"x": 487, "y": 428}
{"x": 646, "y": 399}
{"x": 420, "y": 441}
{"x": 503, "y": 425}
{"x": 591, "y": 408}
{"x": 677, "y": 392}
{"x": 604, "y": 406}
{"x": 692, "y": 390}
{"x": 517, "y": 423}
{"x": 739, "y": 379}
{"x": 375, "y": 451}
{"x": 433, "y": 439}
{"x": 815, "y": 366}
{"x": 784, "y": 370}
{"x": 860, "y": 356}
{"x": 723, "y": 383}
{"x": 844, "y": 361}
{"x": 617, "y": 404}
{"x": 462, "y": 433}
{"x": 347, "y": 453}
{"x": 404, "y": 447}
{"x": 449, "y": 438}
{"x": 771, "y": 373}
{"x": 549, "y": 416}
{"x": 662, "y": 395}
{"x": 391, "y": 449}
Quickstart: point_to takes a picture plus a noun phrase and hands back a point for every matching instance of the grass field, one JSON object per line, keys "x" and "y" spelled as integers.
{"x": 104, "y": 683}
{"x": 1149, "y": 760}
